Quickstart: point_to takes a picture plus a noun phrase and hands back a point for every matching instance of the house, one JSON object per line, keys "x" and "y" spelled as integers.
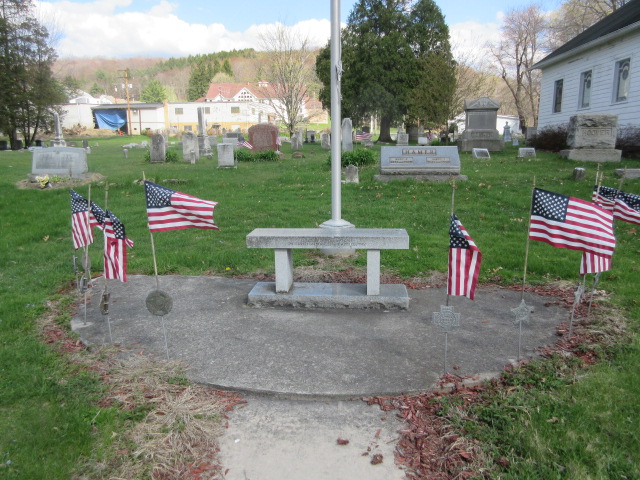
{"x": 595, "y": 72}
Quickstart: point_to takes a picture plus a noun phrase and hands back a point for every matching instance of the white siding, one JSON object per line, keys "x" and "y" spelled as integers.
{"x": 602, "y": 62}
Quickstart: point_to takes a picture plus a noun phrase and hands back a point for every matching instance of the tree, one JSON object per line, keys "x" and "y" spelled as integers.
{"x": 154, "y": 92}
{"x": 575, "y": 16}
{"x": 391, "y": 51}
{"x": 199, "y": 80}
{"x": 28, "y": 90}
{"x": 520, "y": 48}
{"x": 289, "y": 72}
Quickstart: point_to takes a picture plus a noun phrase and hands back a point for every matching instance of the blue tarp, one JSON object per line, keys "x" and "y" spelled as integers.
{"x": 112, "y": 119}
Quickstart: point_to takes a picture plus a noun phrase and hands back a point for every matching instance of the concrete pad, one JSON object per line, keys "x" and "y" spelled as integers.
{"x": 317, "y": 353}
{"x": 271, "y": 439}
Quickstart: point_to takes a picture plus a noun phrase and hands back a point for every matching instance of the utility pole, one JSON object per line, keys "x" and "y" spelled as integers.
{"x": 126, "y": 86}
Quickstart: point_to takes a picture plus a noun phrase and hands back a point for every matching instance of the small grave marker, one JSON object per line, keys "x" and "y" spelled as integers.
{"x": 526, "y": 152}
{"x": 480, "y": 153}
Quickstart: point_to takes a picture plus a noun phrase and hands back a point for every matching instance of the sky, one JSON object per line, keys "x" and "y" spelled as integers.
{"x": 176, "y": 28}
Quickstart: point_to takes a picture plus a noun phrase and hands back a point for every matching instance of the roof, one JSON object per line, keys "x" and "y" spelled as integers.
{"x": 623, "y": 20}
{"x": 230, "y": 90}
{"x": 123, "y": 106}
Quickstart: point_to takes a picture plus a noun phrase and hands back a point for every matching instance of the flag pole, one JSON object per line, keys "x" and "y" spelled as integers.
{"x": 453, "y": 199}
{"x": 526, "y": 250}
{"x": 105, "y": 293}
{"x": 153, "y": 246}
{"x": 87, "y": 270}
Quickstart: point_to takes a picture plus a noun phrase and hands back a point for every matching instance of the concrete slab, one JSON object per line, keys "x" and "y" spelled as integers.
{"x": 315, "y": 353}
{"x": 329, "y": 295}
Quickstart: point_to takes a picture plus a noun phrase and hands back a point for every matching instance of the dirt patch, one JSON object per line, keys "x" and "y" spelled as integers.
{"x": 63, "y": 183}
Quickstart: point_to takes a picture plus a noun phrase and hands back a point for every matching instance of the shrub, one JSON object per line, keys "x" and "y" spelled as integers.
{"x": 264, "y": 156}
{"x": 359, "y": 157}
{"x": 171, "y": 156}
{"x": 629, "y": 141}
{"x": 435, "y": 142}
{"x": 552, "y": 138}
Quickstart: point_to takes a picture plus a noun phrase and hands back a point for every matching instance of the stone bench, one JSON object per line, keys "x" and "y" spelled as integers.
{"x": 283, "y": 240}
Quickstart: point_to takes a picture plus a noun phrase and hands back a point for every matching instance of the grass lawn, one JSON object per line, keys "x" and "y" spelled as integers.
{"x": 49, "y": 414}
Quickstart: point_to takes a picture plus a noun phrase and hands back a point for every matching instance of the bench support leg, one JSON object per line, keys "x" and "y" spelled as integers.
{"x": 284, "y": 270}
{"x": 373, "y": 272}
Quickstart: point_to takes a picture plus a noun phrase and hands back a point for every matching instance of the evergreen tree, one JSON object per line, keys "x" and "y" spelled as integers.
{"x": 28, "y": 90}
{"x": 154, "y": 92}
{"x": 199, "y": 80}
{"x": 388, "y": 47}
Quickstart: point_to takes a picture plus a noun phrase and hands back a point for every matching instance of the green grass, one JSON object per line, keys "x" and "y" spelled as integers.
{"x": 47, "y": 406}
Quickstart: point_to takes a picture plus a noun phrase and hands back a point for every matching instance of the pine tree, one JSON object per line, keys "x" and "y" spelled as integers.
{"x": 199, "y": 80}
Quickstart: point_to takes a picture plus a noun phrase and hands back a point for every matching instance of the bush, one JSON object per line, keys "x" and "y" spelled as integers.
{"x": 359, "y": 157}
{"x": 552, "y": 138}
{"x": 264, "y": 156}
{"x": 171, "y": 156}
{"x": 629, "y": 141}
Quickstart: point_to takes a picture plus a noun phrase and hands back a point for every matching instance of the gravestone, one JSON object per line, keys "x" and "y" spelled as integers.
{"x": 18, "y": 145}
{"x": 351, "y": 174}
{"x": 325, "y": 141}
{"x": 190, "y": 147}
{"x": 414, "y": 133}
{"x": 526, "y": 152}
{"x": 264, "y": 136}
{"x": 296, "y": 142}
{"x": 204, "y": 147}
{"x": 506, "y": 133}
{"x": 85, "y": 143}
{"x": 403, "y": 139}
{"x": 58, "y": 141}
{"x": 480, "y": 126}
{"x": 158, "y": 149}
{"x": 592, "y": 138}
{"x": 347, "y": 135}
{"x": 422, "y": 163}
{"x": 530, "y": 132}
{"x": 423, "y": 141}
{"x": 628, "y": 172}
{"x": 125, "y": 151}
{"x": 515, "y": 142}
{"x": 61, "y": 161}
{"x": 311, "y": 136}
{"x": 226, "y": 157}
{"x": 3, "y": 144}
{"x": 579, "y": 173}
{"x": 480, "y": 153}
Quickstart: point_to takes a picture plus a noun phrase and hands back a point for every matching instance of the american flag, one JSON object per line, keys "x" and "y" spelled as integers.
{"x": 97, "y": 216}
{"x": 568, "y": 222}
{"x": 592, "y": 263}
{"x": 171, "y": 210}
{"x": 81, "y": 228}
{"x": 115, "y": 248}
{"x": 244, "y": 143}
{"x": 627, "y": 208}
{"x": 464, "y": 261}
{"x": 604, "y": 196}
{"x": 362, "y": 136}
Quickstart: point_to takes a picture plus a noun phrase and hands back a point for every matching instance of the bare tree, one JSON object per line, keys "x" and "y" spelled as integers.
{"x": 472, "y": 81}
{"x": 575, "y": 16}
{"x": 523, "y": 33}
{"x": 289, "y": 71}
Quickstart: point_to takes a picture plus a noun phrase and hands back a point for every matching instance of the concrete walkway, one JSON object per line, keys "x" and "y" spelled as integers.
{"x": 298, "y": 368}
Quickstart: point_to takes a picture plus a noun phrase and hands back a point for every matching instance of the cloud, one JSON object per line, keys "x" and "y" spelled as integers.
{"x": 470, "y": 39}
{"x": 102, "y": 29}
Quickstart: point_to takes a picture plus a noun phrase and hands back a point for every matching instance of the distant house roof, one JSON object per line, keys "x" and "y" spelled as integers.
{"x": 123, "y": 106}
{"x": 620, "y": 22}
{"x": 236, "y": 91}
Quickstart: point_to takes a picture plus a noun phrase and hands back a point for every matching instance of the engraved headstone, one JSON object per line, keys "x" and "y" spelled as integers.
{"x": 423, "y": 141}
{"x": 480, "y": 125}
{"x": 526, "y": 152}
{"x": 347, "y": 135}
{"x": 311, "y": 136}
{"x": 403, "y": 139}
{"x": 515, "y": 142}
{"x": 325, "y": 140}
{"x": 264, "y": 136}
{"x": 226, "y": 157}
{"x": 480, "y": 153}
{"x": 351, "y": 174}
{"x": 61, "y": 161}
{"x": 419, "y": 160}
{"x": 204, "y": 147}
{"x": 296, "y": 142}
{"x": 58, "y": 141}
{"x": 158, "y": 149}
{"x": 592, "y": 138}
{"x": 506, "y": 133}
{"x": 190, "y": 147}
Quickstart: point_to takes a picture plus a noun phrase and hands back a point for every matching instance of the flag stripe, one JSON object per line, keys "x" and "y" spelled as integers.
{"x": 171, "y": 210}
{"x": 594, "y": 263}
{"x": 624, "y": 212}
{"x": 464, "y": 261}
{"x": 81, "y": 226}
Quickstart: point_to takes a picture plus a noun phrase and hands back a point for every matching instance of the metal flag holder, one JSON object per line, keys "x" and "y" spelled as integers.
{"x": 523, "y": 314}
{"x": 576, "y": 301}
{"x": 158, "y": 302}
{"x": 596, "y": 280}
{"x": 446, "y": 319}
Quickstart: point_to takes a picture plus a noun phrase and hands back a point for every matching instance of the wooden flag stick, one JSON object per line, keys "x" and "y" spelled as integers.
{"x": 526, "y": 250}
{"x": 106, "y": 207}
{"x": 153, "y": 246}
{"x": 87, "y": 271}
